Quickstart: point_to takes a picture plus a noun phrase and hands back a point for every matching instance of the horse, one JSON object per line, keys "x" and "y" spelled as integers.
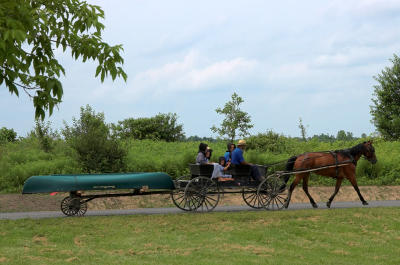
{"x": 338, "y": 164}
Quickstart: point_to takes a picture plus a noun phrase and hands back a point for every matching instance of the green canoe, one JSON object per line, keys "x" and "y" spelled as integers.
{"x": 67, "y": 183}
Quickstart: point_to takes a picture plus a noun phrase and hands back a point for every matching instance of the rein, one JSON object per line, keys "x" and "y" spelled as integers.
{"x": 334, "y": 153}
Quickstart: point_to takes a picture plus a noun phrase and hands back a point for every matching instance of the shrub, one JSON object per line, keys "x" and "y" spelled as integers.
{"x": 269, "y": 141}
{"x": 7, "y": 135}
{"x": 90, "y": 137}
{"x": 160, "y": 127}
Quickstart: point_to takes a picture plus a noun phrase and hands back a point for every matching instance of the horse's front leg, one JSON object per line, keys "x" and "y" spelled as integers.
{"x": 337, "y": 187}
{"x": 353, "y": 182}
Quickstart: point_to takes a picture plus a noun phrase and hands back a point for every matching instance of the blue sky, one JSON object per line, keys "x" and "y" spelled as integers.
{"x": 287, "y": 59}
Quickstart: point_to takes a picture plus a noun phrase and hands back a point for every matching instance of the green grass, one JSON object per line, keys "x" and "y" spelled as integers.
{"x": 336, "y": 236}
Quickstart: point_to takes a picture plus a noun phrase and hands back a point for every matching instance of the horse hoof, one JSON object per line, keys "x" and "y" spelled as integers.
{"x": 314, "y": 205}
{"x": 365, "y": 203}
{"x": 328, "y": 204}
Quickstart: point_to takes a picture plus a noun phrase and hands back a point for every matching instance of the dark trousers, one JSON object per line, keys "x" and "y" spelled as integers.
{"x": 255, "y": 173}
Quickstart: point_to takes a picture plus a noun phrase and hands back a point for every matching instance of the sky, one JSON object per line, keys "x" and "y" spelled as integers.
{"x": 313, "y": 60}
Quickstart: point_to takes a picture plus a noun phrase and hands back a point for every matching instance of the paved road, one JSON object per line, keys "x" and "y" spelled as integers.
{"x": 293, "y": 206}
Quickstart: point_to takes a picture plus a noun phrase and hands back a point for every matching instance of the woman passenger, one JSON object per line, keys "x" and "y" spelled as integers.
{"x": 201, "y": 158}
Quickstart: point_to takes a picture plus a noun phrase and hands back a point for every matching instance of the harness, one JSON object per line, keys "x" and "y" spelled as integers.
{"x": 334, "y": 154}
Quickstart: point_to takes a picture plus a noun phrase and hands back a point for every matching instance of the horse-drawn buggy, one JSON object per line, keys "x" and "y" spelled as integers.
{"x": 200, "y": 192}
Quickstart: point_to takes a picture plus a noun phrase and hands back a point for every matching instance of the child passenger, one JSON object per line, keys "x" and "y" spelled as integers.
{"x": 221, "y": 168}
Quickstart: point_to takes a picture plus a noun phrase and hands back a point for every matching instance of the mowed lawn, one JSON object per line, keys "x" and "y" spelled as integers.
{"x": 336, "y": 236}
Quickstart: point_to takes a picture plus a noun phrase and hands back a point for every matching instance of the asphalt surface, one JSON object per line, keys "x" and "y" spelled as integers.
{"x": 147, "y": 211}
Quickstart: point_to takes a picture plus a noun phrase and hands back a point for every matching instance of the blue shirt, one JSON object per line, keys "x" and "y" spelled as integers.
{"x": 237, "y": 156}
{"x": 227, "y": 156}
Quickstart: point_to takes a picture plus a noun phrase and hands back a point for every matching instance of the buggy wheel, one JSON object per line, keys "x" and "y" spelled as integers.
{"x": 204, "y": 194}
{"x": 250, "y": 197}
{"x": 71, "y": 206}
{"x": 179, "y": 199}
{"x": 272, "y": 192}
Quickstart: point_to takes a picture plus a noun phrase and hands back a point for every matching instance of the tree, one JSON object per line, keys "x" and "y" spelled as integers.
{"x": 31, "y": 30}
{"x": 302, "y": 130}
{"x": 268, "y": 141}
{"x": 7, "y": 135}
{"x": 160, "y": 127}
{"x": 236, "y": 121}
{"x": 44, "y": 134}
{"x": 344, "y": 136}
{"x": 324, "y": 137}
{"x": 90, "y": 137}
{"x": 195, "y": 138}
{"x": 386, "y": 109}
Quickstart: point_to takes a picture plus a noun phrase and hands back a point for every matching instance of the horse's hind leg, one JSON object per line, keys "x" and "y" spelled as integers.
{"x": 292, "y": 187}
{"x": 353, "y": 182}
{"x": 337, "y": 187}
{"x": 305, "y": 188}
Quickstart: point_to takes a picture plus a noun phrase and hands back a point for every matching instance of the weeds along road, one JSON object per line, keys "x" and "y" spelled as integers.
{"x": 294, "y": 206}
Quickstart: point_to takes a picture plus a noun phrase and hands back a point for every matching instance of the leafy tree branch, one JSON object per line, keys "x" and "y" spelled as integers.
{"x": 30, "y": 31}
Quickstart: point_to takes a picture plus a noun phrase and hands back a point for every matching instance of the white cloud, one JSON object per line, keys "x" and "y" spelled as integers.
{"x": 194, "y": 72}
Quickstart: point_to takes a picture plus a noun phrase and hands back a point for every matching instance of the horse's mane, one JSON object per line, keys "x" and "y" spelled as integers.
{"x": 353, "y": 151}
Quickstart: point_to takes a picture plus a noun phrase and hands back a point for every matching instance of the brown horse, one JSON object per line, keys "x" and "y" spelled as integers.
{"x": 344, "y": 164}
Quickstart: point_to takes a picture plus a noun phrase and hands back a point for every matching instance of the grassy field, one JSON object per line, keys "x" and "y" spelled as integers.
{"x": 341, "y": 236}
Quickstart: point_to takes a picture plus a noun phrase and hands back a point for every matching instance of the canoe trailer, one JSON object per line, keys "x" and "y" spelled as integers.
{"x": 195, "y": 192}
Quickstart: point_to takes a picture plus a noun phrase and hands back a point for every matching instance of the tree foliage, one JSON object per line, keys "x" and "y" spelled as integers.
{"x": 236, "y": 121}
{"x": 44, "y": 134}
{"x": 324, "y": 137}
{"x": 30, "y": 32}
{"x": 386, "y": 109}
{"x": 344, "y": 136}
{"x": 196, "y": 138}
{"x": 302, "y": 130}
{"x": 160, "y": 127}
{"x": 7, "y": 135}
{"x": 91, "y": 138}
{"x": 269, "y": 141}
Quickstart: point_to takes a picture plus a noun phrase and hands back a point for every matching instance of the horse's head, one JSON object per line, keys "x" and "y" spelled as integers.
{"x": 369, "y": 152}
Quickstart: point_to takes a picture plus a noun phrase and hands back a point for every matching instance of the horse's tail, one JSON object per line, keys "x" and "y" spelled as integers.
{"x": 290, "y": 163}
{"x": 289, "y": 167}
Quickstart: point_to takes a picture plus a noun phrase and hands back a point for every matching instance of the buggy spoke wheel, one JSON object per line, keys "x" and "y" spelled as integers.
{"x": 205, "y": 194}
{"x": 71, "y": 206}
{"x": 179, "y": 199}
{"x": 192, "y": 197}
{"x": 272, "y": 193}
{"x": 250, "y": 197}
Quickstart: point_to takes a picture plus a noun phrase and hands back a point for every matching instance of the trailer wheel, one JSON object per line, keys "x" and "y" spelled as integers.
{"x": 71, "y": 206}
{"x": 272, "y": 192}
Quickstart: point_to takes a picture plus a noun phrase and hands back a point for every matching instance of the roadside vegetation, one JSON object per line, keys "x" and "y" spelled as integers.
{"x": 336, "y": 236}
{"x": 26, "y": 157}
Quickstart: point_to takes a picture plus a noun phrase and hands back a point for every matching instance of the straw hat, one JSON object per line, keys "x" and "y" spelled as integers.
{"x": 241, "y": 142}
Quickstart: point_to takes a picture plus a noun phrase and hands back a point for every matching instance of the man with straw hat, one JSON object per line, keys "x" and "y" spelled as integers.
{"x": 238, "y": 159}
